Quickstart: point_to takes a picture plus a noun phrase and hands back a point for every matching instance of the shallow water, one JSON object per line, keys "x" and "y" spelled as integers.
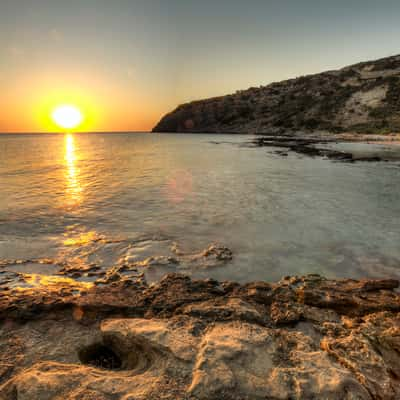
{"x": 82, "y": 204}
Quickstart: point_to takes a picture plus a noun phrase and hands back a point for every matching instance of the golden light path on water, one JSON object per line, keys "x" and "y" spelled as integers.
{"x": 74, "y": 188}
{"x": 37, "y": 280}
{"x": 74, "y": 193}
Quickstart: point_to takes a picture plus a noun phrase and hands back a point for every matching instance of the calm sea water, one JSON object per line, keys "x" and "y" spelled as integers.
{"x": 159, "y": 200}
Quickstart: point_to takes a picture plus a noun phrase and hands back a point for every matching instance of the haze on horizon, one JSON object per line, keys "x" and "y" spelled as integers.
{"x": 128, "y": 62}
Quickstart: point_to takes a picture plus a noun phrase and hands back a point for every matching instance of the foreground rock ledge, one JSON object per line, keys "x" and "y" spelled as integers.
{"x": 300, "y": 338}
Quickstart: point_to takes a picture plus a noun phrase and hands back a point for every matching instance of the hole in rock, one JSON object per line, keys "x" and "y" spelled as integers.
{"x": 100, "y": 356}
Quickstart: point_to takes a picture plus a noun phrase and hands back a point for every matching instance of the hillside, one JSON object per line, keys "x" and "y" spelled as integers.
{"x": 364, "y": 97}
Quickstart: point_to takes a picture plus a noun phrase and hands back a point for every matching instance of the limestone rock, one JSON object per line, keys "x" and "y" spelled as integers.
{"x": 300, "y": 338}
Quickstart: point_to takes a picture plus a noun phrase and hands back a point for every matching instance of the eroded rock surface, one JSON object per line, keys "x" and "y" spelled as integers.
{"x": 300, "y": 338}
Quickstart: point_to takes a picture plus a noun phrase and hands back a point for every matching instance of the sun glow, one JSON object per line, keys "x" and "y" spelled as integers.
{"x": 67, "y": 116}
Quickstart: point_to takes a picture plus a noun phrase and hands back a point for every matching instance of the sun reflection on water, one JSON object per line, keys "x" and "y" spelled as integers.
{"x": 81, "y": 239}
{"x": 36, "y": 280}
{"x": 74, "y": 188}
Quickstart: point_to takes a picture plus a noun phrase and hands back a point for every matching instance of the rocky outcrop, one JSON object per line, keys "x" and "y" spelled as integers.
{"x": 311, "y": 146}
{"x": 364, "y": 98}
{"x": 300, "y": 338}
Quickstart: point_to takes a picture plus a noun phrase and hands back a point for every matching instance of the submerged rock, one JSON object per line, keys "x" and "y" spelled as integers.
{"x": 300, "y": 338}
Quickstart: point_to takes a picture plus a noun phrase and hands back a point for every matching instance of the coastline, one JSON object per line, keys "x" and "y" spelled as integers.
{"x": 322, "y": 144}
{"x": 302, "y": 337}
{"x": 393, "y": 138}
{"x": 117, "y": 336}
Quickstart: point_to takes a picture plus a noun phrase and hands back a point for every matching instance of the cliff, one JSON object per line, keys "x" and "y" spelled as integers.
{"x": 364, "y": 97}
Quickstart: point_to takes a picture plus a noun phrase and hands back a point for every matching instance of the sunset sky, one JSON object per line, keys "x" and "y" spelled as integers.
{"x": 125, "y": 63}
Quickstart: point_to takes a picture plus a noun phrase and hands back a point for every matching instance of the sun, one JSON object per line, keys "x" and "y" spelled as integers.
{"x": 67, "y": 116}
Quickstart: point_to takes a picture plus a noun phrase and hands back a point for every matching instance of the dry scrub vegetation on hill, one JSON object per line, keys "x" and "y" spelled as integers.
{"x": 363, "y": 98}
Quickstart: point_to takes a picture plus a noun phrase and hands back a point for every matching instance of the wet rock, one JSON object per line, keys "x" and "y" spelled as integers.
{"x": 224, "y": 309}
{"x": 311, "y": 147}
{"x": 351, "y": 297}
{"x": 260, "y": 292}
{"x": 285, "y": 313}
{"x": 217, "y": 251}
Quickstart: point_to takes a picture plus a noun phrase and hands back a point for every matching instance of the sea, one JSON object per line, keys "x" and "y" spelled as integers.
{"x": 204, "y": 205}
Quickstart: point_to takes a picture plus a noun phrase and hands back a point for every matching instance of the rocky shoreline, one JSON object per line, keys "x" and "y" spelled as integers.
{"x": 319, "y": 146}
{"x": 300, "y": 338}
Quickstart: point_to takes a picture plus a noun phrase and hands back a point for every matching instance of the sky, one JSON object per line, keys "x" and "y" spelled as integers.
{"x": 125, "y": 63}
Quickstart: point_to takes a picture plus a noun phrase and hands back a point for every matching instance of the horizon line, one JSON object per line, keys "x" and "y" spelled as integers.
{"x": 68, "y": 133}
